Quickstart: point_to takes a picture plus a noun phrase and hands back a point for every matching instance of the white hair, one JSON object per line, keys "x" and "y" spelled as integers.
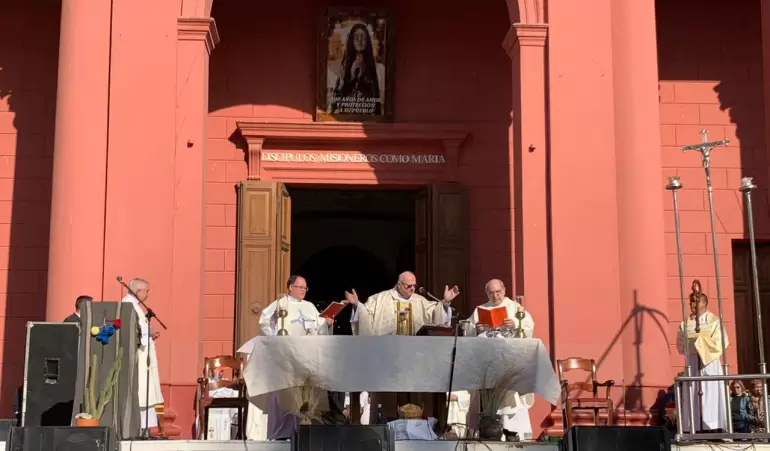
{"x": 137, "y": 284}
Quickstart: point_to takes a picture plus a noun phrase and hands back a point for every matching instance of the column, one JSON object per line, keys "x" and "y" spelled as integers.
{"x": 76, "y": 247}
{"x": 196, "y": 40}
{"x": 525, "y": 44}
{"x": 640, "y": 190}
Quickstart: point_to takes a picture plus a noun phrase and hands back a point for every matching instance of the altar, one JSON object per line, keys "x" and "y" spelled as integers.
{"x": 397, "y": 364}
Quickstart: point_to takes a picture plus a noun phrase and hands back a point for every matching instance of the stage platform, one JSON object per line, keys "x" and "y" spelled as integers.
{"x": 211, "y": 445}
{"x": 214, "y": 445}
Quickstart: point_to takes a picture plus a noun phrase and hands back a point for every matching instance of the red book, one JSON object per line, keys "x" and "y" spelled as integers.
{"x": 493, "y": 317}
{"x": 333, "y": 309}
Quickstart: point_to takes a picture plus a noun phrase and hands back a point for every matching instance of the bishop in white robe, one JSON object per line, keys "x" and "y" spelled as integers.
{"x": 703, "y": 350}
{"x": 514, "y": 412}
{"x": 146, "y": 349}
{"x": 302, "y": 318}
{"x": 398, "y": 311}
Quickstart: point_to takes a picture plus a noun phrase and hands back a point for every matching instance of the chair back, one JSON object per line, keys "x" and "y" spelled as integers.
{"x": 580, "y": 364}
{"x": 228, "y": 368}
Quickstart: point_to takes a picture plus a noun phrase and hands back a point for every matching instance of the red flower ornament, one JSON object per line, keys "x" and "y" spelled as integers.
{"x": 116, "y": 323}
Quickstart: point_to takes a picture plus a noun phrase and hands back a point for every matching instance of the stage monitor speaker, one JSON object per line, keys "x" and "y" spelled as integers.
{"x": 50, "y": 374}
{"x": 616, "y": 438}
{"x": 61, "y": 439}
{"x": 352, "y": 437}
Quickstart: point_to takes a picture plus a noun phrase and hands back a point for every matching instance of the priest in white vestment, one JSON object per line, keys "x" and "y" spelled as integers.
{"x": 457, "y": 419}
{"x": 703, "y": 350}
{"x": 398, "y": 311}
{"x": 302, "y": 319}
{"x": 141, "y": 288}
{"x": 514, "y": 412}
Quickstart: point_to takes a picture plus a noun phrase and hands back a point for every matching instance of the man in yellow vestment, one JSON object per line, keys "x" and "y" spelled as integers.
{"x": 398, "y": 311}
{"x": 703, "y": 349}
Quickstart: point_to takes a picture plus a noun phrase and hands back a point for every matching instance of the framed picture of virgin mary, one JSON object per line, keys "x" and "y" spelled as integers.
{"x": 355, "y": 65}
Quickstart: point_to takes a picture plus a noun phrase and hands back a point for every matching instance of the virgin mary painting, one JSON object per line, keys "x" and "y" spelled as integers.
{"x": 356, "y": 82}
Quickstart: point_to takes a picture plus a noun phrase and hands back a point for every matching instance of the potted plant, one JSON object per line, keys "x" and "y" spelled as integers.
{"x": 491, "y": 399}
{"x": 93, "y": 406}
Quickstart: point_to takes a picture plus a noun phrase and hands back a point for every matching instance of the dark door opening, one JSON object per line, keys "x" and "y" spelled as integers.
{"x": 745, "y": 308}
{"x": 345, "y": 239}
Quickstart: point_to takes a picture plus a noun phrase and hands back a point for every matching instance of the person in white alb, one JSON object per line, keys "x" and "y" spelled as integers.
{"x": 302, "y": 319}
{"x": 141, "y": 288}
{"x": 515, "y": 407}
{"x": 702, "y": 344}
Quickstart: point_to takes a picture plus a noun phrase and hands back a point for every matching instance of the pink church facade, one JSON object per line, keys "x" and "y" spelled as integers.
{"x": 125, "y": 127}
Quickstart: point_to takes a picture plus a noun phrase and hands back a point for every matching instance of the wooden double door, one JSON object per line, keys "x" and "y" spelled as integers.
{"x": 264, "y": 247}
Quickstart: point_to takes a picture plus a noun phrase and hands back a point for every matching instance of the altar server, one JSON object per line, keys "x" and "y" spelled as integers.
{"x": 141, "y": 288}
{"x": 703, "y": 350}
{"x": 515, "y": 408}
{"x": 302, "y": 318}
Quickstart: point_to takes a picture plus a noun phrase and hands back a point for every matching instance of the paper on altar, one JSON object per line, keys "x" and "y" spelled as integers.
{"x": 397, "y": 364}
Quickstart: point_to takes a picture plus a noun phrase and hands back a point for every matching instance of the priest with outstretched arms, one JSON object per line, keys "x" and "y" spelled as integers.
{"x": 700, "y": 339}
{"x": 398, "y": 311}
{"x": 514, "y": 409}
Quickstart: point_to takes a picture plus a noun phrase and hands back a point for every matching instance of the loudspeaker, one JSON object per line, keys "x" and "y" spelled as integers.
{"x": 61, "y": 439}
{"x": 50, "y": 374}
{"x": 616, "y": 438}
{"x": 350, "y": 437}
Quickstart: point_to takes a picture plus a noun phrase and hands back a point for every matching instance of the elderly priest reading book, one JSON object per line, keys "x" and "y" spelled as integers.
{"x": 398, "y": 311}
{"x": 498, "y": 312}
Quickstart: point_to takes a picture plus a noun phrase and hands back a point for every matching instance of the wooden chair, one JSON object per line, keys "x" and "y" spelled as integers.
{"x": 211, "y": 367}
{"x": 593, "y": 403}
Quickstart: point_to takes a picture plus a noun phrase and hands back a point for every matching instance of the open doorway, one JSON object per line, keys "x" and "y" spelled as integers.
{"x": 350, "y": 238}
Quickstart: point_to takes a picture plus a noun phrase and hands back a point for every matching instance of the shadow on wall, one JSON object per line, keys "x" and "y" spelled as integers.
{"x": 29, "y": 46}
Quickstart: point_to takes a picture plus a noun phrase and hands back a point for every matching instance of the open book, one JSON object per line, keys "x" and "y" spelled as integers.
{"x": 333, "y": 309}
{"x": 493, "y": 317}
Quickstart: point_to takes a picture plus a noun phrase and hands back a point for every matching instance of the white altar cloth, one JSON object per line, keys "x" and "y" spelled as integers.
{"x": 396, "y": 364}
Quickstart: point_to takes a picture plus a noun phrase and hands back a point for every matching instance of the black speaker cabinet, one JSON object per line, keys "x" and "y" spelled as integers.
{"x": 616, "y": 438}
{"x": 50, "y": 374}
{"x": 351, "y": 437}
{"x": 61, "y": 439}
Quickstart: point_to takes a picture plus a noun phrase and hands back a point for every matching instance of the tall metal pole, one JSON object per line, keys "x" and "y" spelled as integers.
{"x": 705, "y": 148}
{"x": 747, "y": 186}
{"x": 675, "y": 185}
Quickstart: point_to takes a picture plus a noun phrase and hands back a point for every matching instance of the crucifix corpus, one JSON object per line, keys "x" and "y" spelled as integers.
{"x": 705, "y": 148}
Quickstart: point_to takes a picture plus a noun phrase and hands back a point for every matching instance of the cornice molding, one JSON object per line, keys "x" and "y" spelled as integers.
{"x": 525, "y": 35}
{"x": 198, "y": 29}
{"x": 256, "y": 134}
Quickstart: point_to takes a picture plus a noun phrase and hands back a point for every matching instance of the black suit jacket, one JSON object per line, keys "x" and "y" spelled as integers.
{"x": 74, "y": 318}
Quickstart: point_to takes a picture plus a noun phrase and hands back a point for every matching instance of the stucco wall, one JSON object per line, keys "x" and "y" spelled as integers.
{"x": 29, "y": 46}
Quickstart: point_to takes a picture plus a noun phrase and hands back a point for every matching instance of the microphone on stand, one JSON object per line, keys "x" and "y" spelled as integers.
{"x": 429, "y": 296}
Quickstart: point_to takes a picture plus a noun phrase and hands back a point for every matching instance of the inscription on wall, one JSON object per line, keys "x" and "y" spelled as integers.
{"x": 370, "y": 158}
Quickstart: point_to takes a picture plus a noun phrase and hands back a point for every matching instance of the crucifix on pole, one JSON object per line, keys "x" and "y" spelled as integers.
{"x": 705, "y": 148}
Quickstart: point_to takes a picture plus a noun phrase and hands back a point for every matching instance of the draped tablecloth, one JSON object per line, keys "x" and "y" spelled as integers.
{"x": 397, "y": 364}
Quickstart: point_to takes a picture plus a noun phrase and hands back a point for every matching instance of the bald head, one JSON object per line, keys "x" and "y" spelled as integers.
{"x": 495, "y": 290}
{"x": 407, "y": 282}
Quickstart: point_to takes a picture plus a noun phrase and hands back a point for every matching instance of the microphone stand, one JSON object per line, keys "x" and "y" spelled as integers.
{"x": 447, "y": 427}
{"x": 149, "y": 315}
